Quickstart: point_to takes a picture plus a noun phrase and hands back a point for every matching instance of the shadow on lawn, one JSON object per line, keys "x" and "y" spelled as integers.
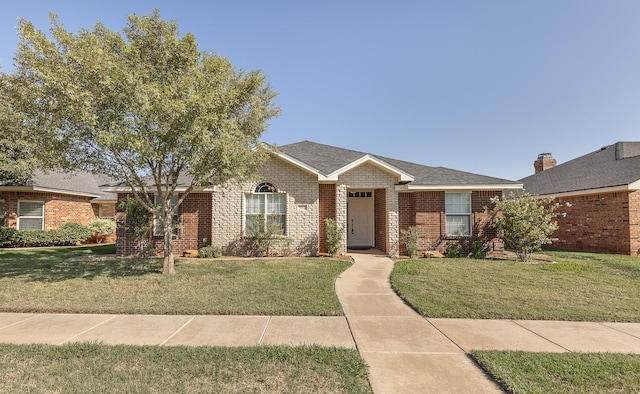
{"x": 52, "y": 265}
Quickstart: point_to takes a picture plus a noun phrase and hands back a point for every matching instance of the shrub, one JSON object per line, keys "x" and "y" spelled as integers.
{"x": 334, "y": 234}
{"x": 7, "y": 236}
{"x": 35, "y": 237}
{"x": 208, "y": 252}
{"x": 453, "y": 250}
{"x": 101, "y": 228}
{"x": 411, "y": 240}
{"x": 72, "y": 233}
{"x": 479, "y": 249}
{"x": 139, "y": 223}
{"x": 268, "y": 234}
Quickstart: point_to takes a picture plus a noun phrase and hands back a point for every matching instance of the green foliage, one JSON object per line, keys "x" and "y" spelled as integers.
{"x": 101, "y": 228}
{"x": 411, "y": 240}
{"x": 479, "y": 249}
{"x": 208, "y": 252}
{"x": 67, "y": 234}
{"x": 144, "y": 107}
{"x": 524, "y": 223}
{"x": 139, "y": 221}
{"x": 7, "y": 236}
{"x": 453, "y": 250}
{"x": 75, "y": 232}
{"x": 269, "y": 233}
{"x": 334, "y": 234}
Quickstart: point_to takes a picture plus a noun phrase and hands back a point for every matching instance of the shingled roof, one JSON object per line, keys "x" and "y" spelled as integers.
{"x": 75, "y": 183}
{"x": 327, "y": 159}
{"x": 616, "y": 165}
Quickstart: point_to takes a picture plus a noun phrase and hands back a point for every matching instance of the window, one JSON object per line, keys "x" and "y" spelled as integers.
{"x": 30, "y": 215}
{"x": 265, "y": 206}
{"x": 458, "y": 213}
{"x": 157, "y": 226}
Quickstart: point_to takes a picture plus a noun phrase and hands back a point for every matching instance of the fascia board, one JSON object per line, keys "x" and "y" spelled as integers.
{"x": 611, "y": 189}
{"x": 66, "y": 192}
{"x": 458, "y": 188}
{"x": 127, "y": 189}
{"x": 404, "y": 177}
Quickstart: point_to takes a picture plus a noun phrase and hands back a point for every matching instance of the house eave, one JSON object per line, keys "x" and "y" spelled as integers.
{"x": 179, "y": 189}
{"x": 601, "y": 190}
{"x": 39, "y": 189}
{"x": 471, "y": 187}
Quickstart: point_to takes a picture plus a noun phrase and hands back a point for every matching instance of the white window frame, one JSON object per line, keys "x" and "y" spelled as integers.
{"x": 264, "y": 202}
{"x": 466, "y": 215}
{"x": 157, "y": 228}
{"x": 30, "y": 217}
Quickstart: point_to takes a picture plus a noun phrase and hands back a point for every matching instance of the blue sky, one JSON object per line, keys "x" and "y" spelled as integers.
{"x": 481, "y": 86}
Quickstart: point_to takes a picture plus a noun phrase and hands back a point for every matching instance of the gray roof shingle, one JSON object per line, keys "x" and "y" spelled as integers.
{"x": 327, "y": 159}
{"x": 613, "y": 165}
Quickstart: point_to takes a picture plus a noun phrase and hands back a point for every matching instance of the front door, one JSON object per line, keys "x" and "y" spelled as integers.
{"x": 360, "y": 220}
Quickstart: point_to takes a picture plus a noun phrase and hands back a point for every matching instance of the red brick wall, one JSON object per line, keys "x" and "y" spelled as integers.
{"x": 606, "y": 222}
{"x": 380, "y": 219}
{"x": 327, "y": 210}
{"x": 194, "y": 215}
{"x": 427, "y": 211}
{"x": 58, "y": 208}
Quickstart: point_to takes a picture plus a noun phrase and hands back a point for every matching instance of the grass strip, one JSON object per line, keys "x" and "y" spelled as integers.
{"x": 525, "y": 372}
{"x": 45, "y": 280}
{"x": 578, "y": 287}
{"x": 95, "y": 368}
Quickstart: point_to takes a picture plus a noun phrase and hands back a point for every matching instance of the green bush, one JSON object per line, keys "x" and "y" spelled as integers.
{"x": 411, "y": 240}
{"x": 208, "y": 252}
{"x": 479, "y": 249}
{"x": 34, "y": 238}
{"x": 334, "y": 235}
{"x": 101, "y": 228}
{"x": 453, "y": 250}
{"x": 7, "y": 236}
{"x": 72, "y": 233}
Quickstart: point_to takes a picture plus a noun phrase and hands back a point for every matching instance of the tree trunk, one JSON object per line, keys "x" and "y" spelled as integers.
{"x": 168, "y": 267}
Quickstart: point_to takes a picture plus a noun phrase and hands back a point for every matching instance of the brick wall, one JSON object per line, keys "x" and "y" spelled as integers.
{"x": 58, "y": 208}
{"x": 302, "y": 219}
{"x": 606, "y": 222}
{"x": 327, "y": 210}
{"x": 380, "y": 211}
{"x": 195, "y": 232}
{"x": 427, "y": 211}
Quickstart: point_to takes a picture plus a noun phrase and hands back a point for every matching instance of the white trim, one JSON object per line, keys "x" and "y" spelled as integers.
{"x": 612, "y": 189}
{"x": 468, "y": 215}
{"x": 458, "y": 188}
{"x": 46, "y": 190}
{"x": 180, "y": 189}
{"x": 29, "y": 217}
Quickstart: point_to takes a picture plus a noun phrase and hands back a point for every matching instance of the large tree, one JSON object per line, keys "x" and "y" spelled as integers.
{"x": 146, "y": 107}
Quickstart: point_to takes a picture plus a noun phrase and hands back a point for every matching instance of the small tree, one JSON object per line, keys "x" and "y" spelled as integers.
{"x": 524, "y": 223}
{"x": 334, "y": 234}
{"x": 411, "y": 240}
{"x": 139, "y": 220}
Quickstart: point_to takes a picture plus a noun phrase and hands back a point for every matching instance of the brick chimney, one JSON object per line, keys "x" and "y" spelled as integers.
{"x": 544, "y": 162}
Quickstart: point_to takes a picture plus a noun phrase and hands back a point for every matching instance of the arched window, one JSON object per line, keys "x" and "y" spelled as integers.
{"x": 265, "y": 208}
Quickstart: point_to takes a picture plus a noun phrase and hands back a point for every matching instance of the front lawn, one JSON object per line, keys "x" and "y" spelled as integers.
{"x": 94, "y": 368}
{"x": 44, "y": 280}
{"x": 580, "y": 286}
{"x": 524, "y": 372}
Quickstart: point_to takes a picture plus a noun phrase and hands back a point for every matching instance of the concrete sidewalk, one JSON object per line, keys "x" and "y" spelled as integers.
{"x": 409, "y": 354}
{"x": 406, "y": 353}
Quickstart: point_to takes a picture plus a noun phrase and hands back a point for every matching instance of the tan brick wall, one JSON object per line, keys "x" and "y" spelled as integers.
{"x": 302, "y": 221}
{"x": 58, "y": 208}
{"x": 605, "y": 222}
{"x": 368, "y": 176}
{"x": 327, "y": 210}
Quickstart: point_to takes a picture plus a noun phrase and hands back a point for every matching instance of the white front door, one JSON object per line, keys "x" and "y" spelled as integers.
{"x": 360, "y": 220}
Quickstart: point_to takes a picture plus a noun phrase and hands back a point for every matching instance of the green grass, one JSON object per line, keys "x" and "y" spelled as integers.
{"x": 43, "y": 280}
{"x": 580, "y": 286}
{"x": 523, "y": 372}
{"x": 94, "y": 368}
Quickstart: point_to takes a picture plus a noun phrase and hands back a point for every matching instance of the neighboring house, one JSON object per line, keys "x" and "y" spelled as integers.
{"x": 302, "y": 184}
{"x": 602, "y": 190}
{"x": 52, "y": 199}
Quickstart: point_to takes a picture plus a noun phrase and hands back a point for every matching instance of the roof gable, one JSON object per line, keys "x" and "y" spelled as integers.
{"x": 616, "y": 165}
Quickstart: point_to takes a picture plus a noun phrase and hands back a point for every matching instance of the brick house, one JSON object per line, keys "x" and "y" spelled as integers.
{"x": 603, "y": 192}
{"x": 302, "y": 184}
{"x": 52, "y": 199}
